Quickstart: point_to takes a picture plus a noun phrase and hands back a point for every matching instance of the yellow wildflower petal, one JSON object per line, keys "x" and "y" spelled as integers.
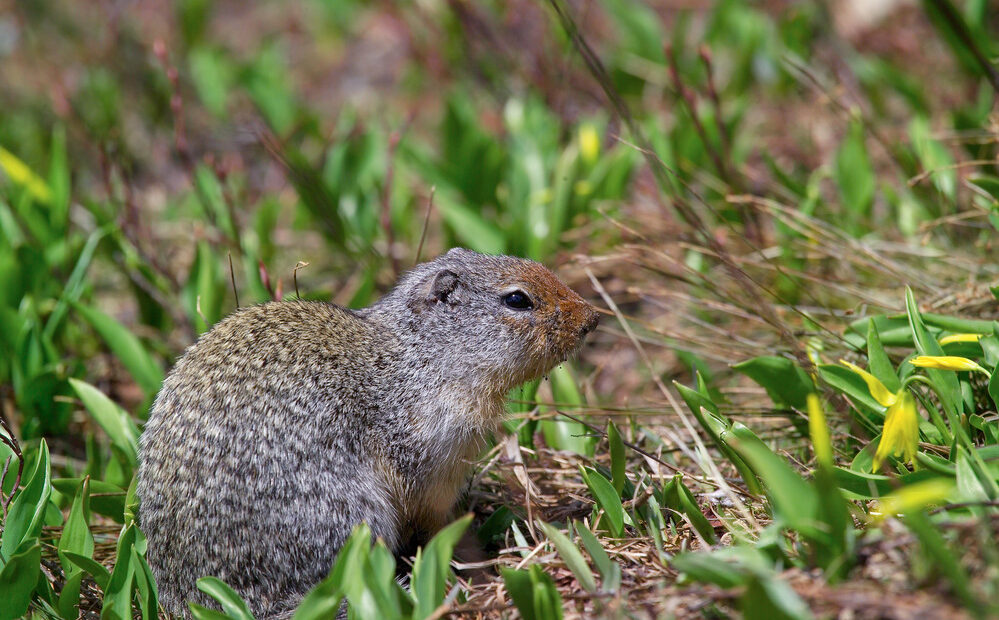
{"x": 945, "y": 362}
{"x": 914, "y": 497}
{"x": 900, "y": 435}
{"x": 819, "y": 431}
{"x": 589, "y": 143}
{"x": 878, "y": 390}
{"x": 21, "y": 174}
{"x": 960, "y": 338}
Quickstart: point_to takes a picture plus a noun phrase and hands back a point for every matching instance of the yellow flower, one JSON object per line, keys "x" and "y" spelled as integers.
{"x": 589, "y": 143}
{"x": 914, "y": 496}
{"x": 946, "y": 362}
{"x": 18, "y": 172}
{"x": 900, "y": 434}
{"x": 878, "y": 390}
{"x": 960, "y": 338}
{"x": 819, "y": 431}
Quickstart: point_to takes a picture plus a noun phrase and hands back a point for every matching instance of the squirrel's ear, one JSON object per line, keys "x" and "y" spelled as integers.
{"x": 442, "y": 286}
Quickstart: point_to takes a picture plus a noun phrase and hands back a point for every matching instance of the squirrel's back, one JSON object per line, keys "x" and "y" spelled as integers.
{"x": 254, "y": 426}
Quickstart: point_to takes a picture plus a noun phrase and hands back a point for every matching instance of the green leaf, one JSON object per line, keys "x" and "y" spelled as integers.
{"x": 851, "y": 384}
{"x": 617, "y": 457}
{"x": 27, "y": 510}
{"x": 118, "y": 593}
{"x": 714, "y": 423}
{"x": 432, "y": 567}
{"x": 710, "y": 568}
{"x": 100, "y": 574}
{"x": 126, "y": 347}
{"x": 854, "y": 176}
{"x": 59, "y": 181}
{"x": 605, "y": 566}
{"x": 562, "y": 433}
{"x": 533, "y": 592}
{"x": 521, "y": 589}
{"x": 785, "y": 383}
{"x": 944, "y": 559}
{"x": 870, "y": 486}
{"x": 767, "y": 597}
{"x": 682, "y": 501}
{"x": 105, "y": 498}
{"x": 879, "y": 364}
{"x": 946, "y": 382}
{"x": 76, "y": 536}
{"x": 18, "y": 579}
{"x": 470, "y": 227}
{"x": 232, "y": 604}
{"x": 113, "y": 419}
{"x": 793, "y": 499}
{"x": 145, "y": 584}
{"x": 69, "y": 598}
{"x": 571, "y": 555}
{"x": 606, "y": 497}
{"x": 994, "y": 386}
{"x": 200, "y": 612}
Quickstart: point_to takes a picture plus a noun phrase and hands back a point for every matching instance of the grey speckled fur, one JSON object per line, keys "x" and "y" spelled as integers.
{"x": 290, "y": 422}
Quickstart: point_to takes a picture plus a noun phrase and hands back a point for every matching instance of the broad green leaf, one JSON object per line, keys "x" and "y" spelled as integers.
{"x": 76, "y": 536}
{"x": 617, "y": 457}
{"x": 710, "y": 568}
{"x": 200, "y": 612}
{"x": 100, "y": 575}
{"x": 934, "y": 157}
{"x": 232, "y": 604}
{"x": 521, "y": 589}
{"x": 18, "y": 579}
{"x": 118, "y": 593}
{"x": 855, "y": 176}
{"x": 533, "y": 592}
{"x": 994, "y": 386}
{"x": 879, "y": 364}
{"x": 944, "y": 558}
{"x": 598, "y": 554}
{"x": 767, "y": 597}
{"x": 145, "y": 584}
{"x": 27, "y": 510}
{"x": 607, "y": 499}
{"x": 562, "y": 433}
{"x": 793, "y": 499}
{"x": 113, "y": 419}
{"x": 850, "y": 384}
{"x": 105, "y": 498}
{"x": 948, "y": 386}
{"x": 571, "y": 555}
{"x": 714, "y": 423}
{"x": 784, "y": 381}
{"x": 69, "y": 598}
{"x": 126, "y": 347}
{"x": 470, "y": 227}
{"x": 432, "y": 567}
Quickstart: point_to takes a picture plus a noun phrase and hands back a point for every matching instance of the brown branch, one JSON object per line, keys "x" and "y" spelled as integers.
{"x": 8, "y": 438}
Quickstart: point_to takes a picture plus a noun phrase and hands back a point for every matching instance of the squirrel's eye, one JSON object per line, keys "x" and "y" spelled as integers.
{"x": 518, "y": 300}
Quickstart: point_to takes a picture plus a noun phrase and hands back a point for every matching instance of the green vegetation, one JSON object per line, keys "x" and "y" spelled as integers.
{"x": 790, "y": 217}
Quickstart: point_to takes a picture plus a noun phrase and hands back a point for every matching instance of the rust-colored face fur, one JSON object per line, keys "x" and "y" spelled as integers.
{"x": 556, "y": 324}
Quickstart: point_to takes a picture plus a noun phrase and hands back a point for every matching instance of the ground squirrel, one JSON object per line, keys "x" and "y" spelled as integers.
{"x": 290, "y": 422}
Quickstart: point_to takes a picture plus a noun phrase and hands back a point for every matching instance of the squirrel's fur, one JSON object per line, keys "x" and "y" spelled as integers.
{"x": 290, "y": 422}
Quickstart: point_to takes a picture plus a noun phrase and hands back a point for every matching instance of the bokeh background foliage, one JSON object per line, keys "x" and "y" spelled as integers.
{"x": 752, "y": 191}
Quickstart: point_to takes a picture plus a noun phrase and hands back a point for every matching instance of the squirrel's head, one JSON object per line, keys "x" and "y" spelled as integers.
{"x": 506, "y": 319}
